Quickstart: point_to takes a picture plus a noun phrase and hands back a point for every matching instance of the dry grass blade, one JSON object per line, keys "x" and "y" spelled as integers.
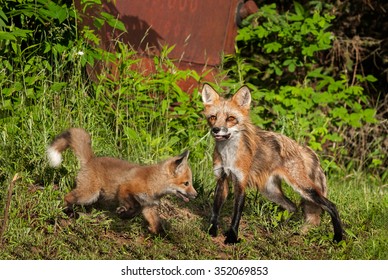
{"x": 7, "y": 205}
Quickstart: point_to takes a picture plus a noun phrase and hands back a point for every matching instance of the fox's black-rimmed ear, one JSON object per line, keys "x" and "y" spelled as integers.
{"x": 209, "y": 95}
{"x": 243, "y": 97}
{"x": 185, "y": 154}
{"x": 179, "y": 163}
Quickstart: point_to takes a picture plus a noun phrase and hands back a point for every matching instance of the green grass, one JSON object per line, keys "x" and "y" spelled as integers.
{"x": 37, "y": 228}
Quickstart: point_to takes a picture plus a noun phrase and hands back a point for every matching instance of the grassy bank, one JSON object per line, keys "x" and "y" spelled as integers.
{"x": 37, "y": 228}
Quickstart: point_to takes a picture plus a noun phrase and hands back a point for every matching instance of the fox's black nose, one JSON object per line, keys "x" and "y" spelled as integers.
{"x": 215, "y": 130}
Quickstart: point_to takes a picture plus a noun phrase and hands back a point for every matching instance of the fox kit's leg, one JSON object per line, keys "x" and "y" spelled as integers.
{"x": 81, "y": 196}
{"x": 219, "y": 198}
{"x": 239, "y": 199}
{"x": 152, "y": 217}
{"x": 128, "y": 208}
{"x": 272, "y": 190}
{"x": 85, "y": 193}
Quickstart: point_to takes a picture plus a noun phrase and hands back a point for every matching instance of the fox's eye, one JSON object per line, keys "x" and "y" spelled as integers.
{"x": 230, "y": 119}
{"x": 212, "y": 118}
{"x": 186, "y": 183}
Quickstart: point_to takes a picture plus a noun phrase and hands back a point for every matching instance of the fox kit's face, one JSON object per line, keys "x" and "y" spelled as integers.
{"x": 225, "y": 116}
{"x": 181, "y": 182}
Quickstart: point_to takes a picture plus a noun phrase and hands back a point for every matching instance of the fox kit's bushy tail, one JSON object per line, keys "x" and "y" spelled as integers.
{"x": 77, "y": 139}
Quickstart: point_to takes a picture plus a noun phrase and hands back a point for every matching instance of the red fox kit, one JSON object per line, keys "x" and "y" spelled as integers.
{"x": 246, "y": 155}
{"x": 132, "y": 187}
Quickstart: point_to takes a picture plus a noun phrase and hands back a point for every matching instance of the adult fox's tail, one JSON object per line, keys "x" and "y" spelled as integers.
{"x": 77, "y": 139}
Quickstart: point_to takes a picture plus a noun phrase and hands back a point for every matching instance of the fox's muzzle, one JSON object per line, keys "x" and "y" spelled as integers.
{"x": 220, "y": 133}
{"x": 190, "y": 194}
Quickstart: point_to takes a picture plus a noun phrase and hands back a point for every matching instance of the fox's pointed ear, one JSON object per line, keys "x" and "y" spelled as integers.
{"x": 243, "y": 97}
{"x": 179, "y": 163}
{"x": 209, "y": 95}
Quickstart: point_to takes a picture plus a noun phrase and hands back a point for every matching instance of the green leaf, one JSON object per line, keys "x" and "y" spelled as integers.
{"x": 272, "y": 47}
{"x": 6, "y": 36}
{"x": 58, "y": 86}
{"x": 370, "y": 78}
{"x": 261, "y": 32}
{"x": 355, "y": 119}
{"x": 369, "y": 115}
{"x": 7, "y": 104}
{"x": 3, "y": 19}
{"x": 339, "y": 112}
{"x": 131, "y": 133}
{"x": 299, "y": 9}
{"x": 113, "y": 21}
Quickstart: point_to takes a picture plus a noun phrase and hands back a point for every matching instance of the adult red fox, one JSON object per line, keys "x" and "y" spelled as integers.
{"x": 131, "y": 187}
{"x": 246, "y": 155}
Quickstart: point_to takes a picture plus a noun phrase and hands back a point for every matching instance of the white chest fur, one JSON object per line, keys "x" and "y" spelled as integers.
{"x": 228, "y": 151}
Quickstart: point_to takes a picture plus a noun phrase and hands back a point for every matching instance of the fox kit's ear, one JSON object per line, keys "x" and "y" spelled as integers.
{"x": 179, "y": 163}
{"x": 185, "y": 155}
{"x": 243, "y": 97}
{"x": 209, "y": 95}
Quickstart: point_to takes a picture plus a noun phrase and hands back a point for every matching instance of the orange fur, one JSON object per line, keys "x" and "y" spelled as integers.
{"x": 247, "y": 155}
{"x": 131, "y": 187}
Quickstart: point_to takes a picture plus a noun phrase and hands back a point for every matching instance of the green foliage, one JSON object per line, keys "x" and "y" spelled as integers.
{"x": 150, "y": 113}
{"x": 36, "y": 28}
{"x": 278, "y": 56}
{"x": 282, "y": 48}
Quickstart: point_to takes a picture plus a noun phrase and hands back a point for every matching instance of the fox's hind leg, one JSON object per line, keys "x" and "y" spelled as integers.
{"x": 273, "y": 191}
{"x": 312, "y": 210}
{"x": 85, "y": 193}
{"x": 312, "y": 214}
{"x": 314, "y": 201}
{"x": 81, "y": 197}
{"x": 312, "y": 195}
{"x": 152, "y": 217}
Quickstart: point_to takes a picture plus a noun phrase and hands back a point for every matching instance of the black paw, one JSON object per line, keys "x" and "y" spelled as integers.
{"x": 71, "y": 213}
{"x": 213, "y": 231}
{"x": 231, "y": 237}
{"x": 337, "y": 237}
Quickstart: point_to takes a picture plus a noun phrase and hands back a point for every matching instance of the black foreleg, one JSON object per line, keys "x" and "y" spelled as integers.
{"x": 239, "y": 199}
{"x": 219, "y": 198}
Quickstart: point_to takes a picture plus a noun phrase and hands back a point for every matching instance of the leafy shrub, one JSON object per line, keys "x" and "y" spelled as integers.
{"x": 150, "y": 112}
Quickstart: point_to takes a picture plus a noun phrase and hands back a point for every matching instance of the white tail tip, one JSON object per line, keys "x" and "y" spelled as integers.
{"x": 54, "y": 157}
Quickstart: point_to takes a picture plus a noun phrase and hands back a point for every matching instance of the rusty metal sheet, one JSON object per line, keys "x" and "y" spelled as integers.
{"x": 201, "y": 30}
